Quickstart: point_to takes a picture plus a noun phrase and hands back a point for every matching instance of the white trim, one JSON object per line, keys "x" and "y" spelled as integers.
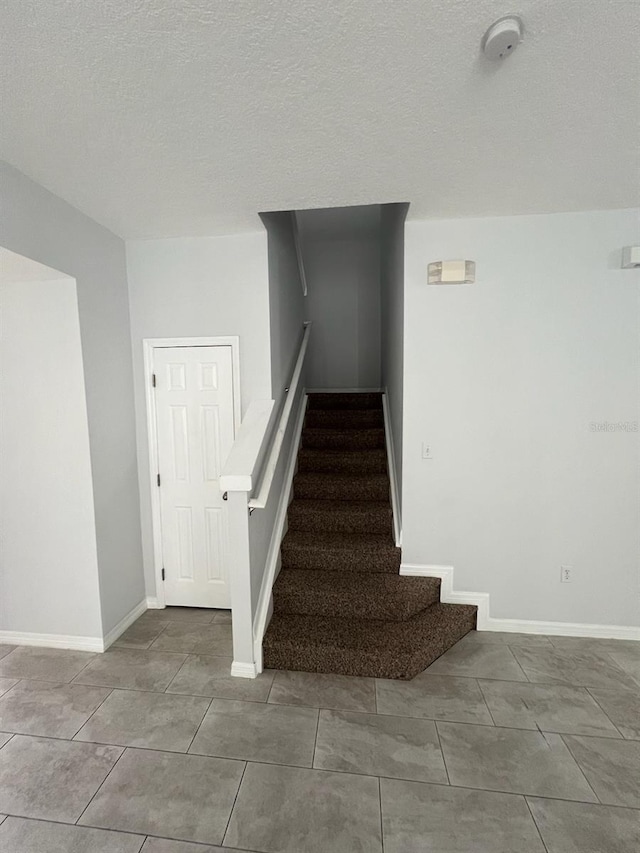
{"x": 53, "y": 641}
{"x": 148, "y": 346}
{"x": 244, "y": 670}
{"x": 264, "y": 608}
{"x": 344, "y": 391}
{"x": 391, "y": 460}
{"x": 152, "y": 603}
{"x": 125, "y": 622}
{"x": 519, "y": 626}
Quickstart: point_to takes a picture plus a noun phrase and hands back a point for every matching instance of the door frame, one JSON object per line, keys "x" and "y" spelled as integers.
{"x": 149, "y": 346}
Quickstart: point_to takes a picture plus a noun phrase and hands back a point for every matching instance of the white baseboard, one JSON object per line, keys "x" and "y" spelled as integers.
{"x": 244, "y": 670}
{"x": 486, "y": 622}
{"x": 53, "y": 641}
{"x": 69, "y": 641}
{"x": 125, "y": 622}
{"x": 391, "y": 458}
{"x": 343, "y": 390}
{"x": 152, "y": 603}
{"x": 264, "y": 609}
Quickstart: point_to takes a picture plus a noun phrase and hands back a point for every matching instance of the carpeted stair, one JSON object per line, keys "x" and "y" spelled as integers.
{"x": 340, "y": 604}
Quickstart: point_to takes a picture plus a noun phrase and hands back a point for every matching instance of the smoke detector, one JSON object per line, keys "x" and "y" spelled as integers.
{"x": 502, "y": 37}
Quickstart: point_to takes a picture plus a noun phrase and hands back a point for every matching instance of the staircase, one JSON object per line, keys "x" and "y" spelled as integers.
{"x": 340, "y": 604}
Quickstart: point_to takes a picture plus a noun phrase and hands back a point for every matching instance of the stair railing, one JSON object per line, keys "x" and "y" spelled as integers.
{"x": 244, "y": 473}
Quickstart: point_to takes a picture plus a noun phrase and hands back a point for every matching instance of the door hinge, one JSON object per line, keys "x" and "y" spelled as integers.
{"x": 163, "y": 574}
{"x": 153, "y": 379}
{"x": 158, "y": 479}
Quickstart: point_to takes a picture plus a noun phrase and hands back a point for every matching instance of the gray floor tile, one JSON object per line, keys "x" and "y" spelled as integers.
{"x": 513, "y": 761}
{"x": 255, "y": 731}
{"x": 195, "y": 638}
{"x": 628, "y": 660}
{"x": 376, "y": 745}
{"x": 19, "y": 835}
{"x": 135, "y": 669}
{"x": 317, "y": 690}
{"x": 623, "y": 709}
{"x": 3, "y": 817}
{"x": 419, "y": 818}
{"x": 163, "y": 845}
{"x": 7, "y": 684}
{"x": 5, "y": 649}
{"x": 549, "y": 707}
{"x": 5, "y": 737}
{"x": 612, "y": 768}
{"x": 289, "y": 810}
{"x": 584, "y": 828}
{"x": 479, "y": 661}
{"x": 44, "y": 664}
{"x": 150, "y": 720}
{"x": 141, "y": 634}
{"x": 504, "y": 638}
{"x": 222, "y": 617}
{"x": 202, "y": 675}
{"x": 185, "y": 797}
{"x": 49, "y": 709}
{"x": 575, "y": 666}
{"x": 434, "y": 697}
{"x": 51, "y": 779}
{"x": 182, "y": 614}
{"x": 596, "y": 645}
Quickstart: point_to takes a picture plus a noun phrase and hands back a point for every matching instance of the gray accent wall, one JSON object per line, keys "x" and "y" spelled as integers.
{"x": 39, "y": 225}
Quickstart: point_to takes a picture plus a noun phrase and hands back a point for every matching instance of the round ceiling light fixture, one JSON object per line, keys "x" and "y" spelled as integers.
{"x": 502, "y": 37}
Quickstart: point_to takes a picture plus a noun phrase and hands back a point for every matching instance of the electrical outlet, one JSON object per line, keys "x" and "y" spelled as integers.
{"x": 566, "y": 574}
{"x": 426, "y": 451}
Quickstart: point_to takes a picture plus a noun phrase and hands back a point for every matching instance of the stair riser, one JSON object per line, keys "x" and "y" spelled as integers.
{"x": 370, "y": 521}
{"x": 402, "y": 665}
{"x": 345, "y": 419}
{"x": 333, "y": 439}
{"x": 338, "y": 561}
{"x": 345, "y": 401}
{"x": 349, "y": 605}
{"x": 374, "y": 462}
{"x": 349, "y": 491}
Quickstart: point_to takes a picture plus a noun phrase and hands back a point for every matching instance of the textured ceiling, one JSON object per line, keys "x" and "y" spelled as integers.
{"x": 177, "y": 117}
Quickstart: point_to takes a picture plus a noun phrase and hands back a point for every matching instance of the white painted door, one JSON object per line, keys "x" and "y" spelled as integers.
{"x": 195, "y": 431}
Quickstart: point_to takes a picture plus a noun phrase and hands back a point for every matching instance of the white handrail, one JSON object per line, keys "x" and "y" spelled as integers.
{"x": 242, "y": 463}
{"x": 260, "y": 501}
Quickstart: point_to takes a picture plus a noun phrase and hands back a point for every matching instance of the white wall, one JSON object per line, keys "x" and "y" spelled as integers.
{"x": 42, "y": 227}
{"x": 49, "y": 577}
{"x": 342, "y": 262}
{"x": 503, "y": 379}
{"x": 287, "y": 304}
{"x": 392, "y": 217}
{"x": 197, "y": 287}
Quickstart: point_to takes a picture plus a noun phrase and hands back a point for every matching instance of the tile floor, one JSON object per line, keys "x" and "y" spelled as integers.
{"x": 507, "y": 744}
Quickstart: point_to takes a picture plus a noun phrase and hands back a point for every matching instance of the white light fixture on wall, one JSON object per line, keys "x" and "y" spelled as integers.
{"x": 452, "y": 272}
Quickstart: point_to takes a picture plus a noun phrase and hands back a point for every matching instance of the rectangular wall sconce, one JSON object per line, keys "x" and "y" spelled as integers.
{"x": 452, "y": 272}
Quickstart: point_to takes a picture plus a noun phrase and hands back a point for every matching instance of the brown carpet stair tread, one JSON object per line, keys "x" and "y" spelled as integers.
{"x": 339, "y": 602}
{"x": 366, "y": 647}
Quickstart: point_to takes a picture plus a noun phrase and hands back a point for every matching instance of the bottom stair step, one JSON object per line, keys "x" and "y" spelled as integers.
{"x": 366, "y": 647}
